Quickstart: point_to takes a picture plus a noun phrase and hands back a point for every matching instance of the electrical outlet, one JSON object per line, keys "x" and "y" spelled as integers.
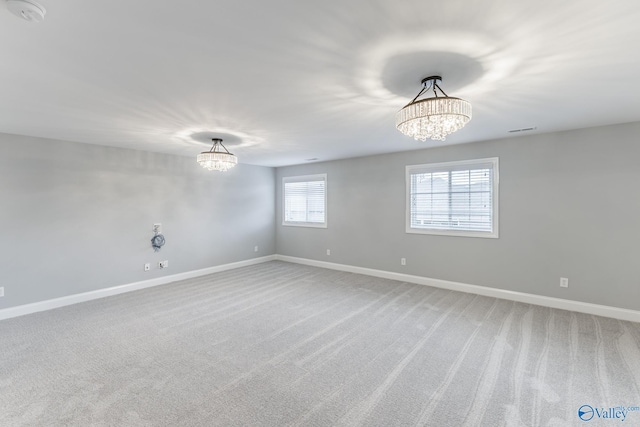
{"x": 157, "y": 228}
{"x": 147, "y": 267}
{"x": 564, "y": 282}
{"x": 255, "y": 249}
{"x": 403, "y": 261}
{"x": 163, "y": 264}
{"x": 328, "y": 251}
{"x": 1, "y": 291}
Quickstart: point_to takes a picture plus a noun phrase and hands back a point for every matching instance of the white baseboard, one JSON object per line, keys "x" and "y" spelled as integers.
{"x": 563, "y": 304}
{"x": 101, "y": 293}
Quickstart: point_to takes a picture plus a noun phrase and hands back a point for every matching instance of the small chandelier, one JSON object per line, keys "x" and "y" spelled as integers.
{"x": 215, "y": 159}
{"x": 433, "y": 118}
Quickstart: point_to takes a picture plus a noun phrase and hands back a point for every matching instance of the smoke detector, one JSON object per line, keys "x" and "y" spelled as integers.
{"x": 28, "y": 10}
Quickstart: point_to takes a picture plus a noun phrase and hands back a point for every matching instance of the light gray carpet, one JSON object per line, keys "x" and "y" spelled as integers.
{"x": 280, "y": 344}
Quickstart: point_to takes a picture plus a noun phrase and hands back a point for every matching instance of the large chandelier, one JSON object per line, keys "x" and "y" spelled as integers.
{"x": 215, "y": 159}
{"x": 433, "y": 118}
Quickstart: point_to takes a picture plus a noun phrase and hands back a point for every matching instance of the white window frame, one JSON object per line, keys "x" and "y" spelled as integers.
{"x": 453, "y": 166}
{"x": 304, "y": 178}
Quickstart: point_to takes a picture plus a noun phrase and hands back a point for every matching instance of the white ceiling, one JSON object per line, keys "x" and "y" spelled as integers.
{"x": 283, "y": 81}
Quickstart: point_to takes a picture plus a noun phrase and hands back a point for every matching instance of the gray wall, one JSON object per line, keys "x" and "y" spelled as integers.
{"x": 78, "y": 217}
{"x": 569, "y": 207}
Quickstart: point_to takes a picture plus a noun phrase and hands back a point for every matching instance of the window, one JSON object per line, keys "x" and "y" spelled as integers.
{"x": 454, "y": 198}
{"x": 305, "y": 201}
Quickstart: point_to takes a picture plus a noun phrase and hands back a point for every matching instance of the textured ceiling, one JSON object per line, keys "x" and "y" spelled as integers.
{"x": 284, "y": 81}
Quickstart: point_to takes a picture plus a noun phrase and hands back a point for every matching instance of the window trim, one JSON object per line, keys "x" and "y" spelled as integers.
{"x": 305, "y": 178}
{"x": 450, "y": 166}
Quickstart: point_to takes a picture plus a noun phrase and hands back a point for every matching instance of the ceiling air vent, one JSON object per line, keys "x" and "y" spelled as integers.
{"x": 523, "y": 129}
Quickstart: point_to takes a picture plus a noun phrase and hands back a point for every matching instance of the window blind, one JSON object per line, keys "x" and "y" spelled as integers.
{"x": 305, "y": 200}
{"x": 454, "y": 196}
